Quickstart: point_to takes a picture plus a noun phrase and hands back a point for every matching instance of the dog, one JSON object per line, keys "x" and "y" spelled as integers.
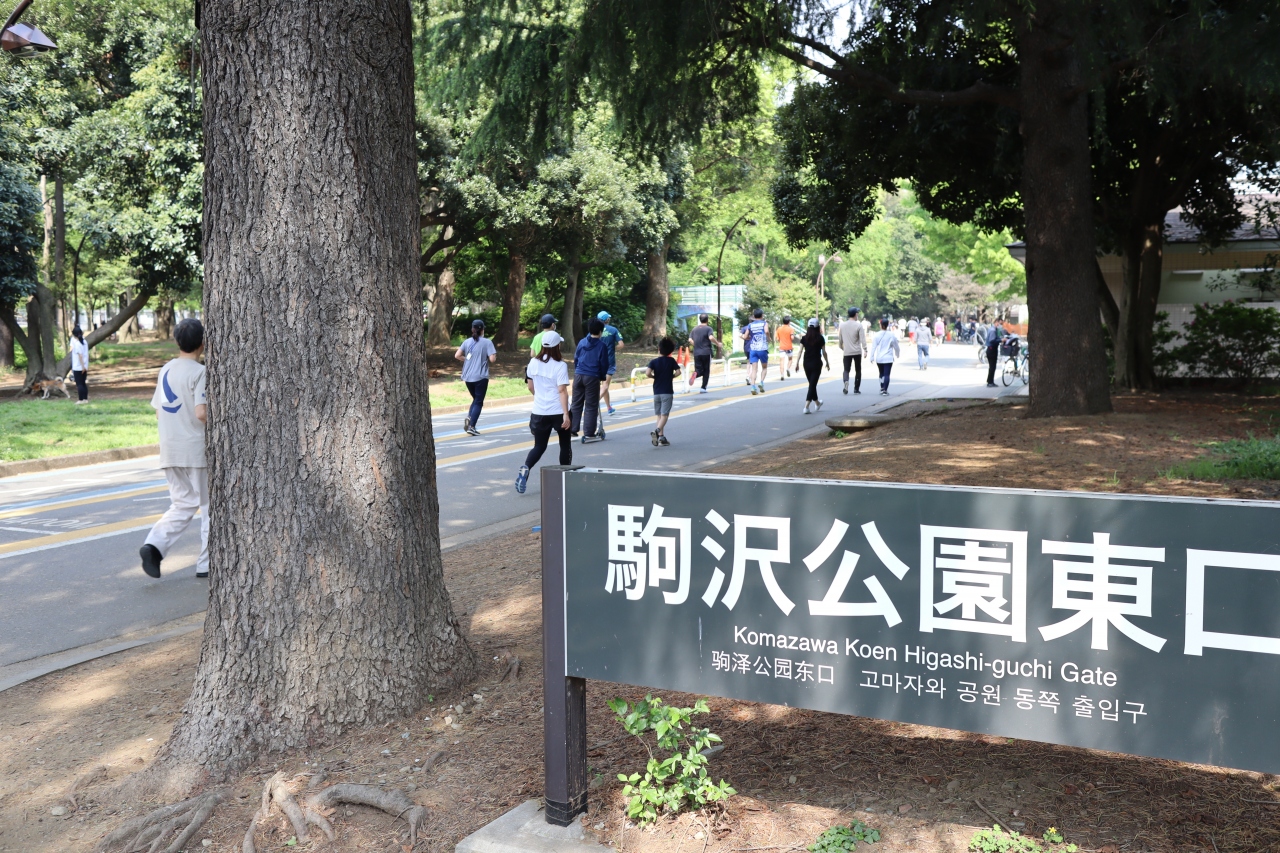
{"x": 47, "y": 387}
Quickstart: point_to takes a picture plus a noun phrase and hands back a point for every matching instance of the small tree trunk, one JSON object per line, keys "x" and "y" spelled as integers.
{"x": 327, "y": 604}
{"x": 1140, "y": 293}
{"x": 579, "y": 322}
{"x": 571, "y": 285}
{"x": 164, "y": 319}
{"x": 60, "y": 253}
{"x": 657, "y": 299}
{"x": 440, "y": 320}
{"x": 1058, "y": 199}
{"x": 6, "y": 338}
{"x": 508, "y": 335}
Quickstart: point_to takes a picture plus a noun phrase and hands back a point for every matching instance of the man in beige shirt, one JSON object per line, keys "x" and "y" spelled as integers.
{"x": 853, "y": 344}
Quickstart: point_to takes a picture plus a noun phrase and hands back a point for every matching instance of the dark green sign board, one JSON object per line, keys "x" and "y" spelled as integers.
{"x": 1143, "y": 625}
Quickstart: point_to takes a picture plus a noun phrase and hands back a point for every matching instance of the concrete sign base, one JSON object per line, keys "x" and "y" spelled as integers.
{"x": 524, "y": 830}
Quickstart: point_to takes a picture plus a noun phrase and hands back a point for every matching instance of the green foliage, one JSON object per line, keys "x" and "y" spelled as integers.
{"x": 996, "y": 840}
{"x": 1231, "y": 340}
{"x": 679, "y": 780}
{"x": 840, "y": 839}
{"x": 20, "y": 235}
{"x": 1239, "y": 459}
{"x": 778, "y": 294}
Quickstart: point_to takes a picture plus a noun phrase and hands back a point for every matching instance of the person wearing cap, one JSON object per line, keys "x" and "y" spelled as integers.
{"x": 755, "y": 339}
{"x": 853, "y": 346}
{"x": 547, "y": 322}
{"x": 814, "y": 353}
{"x": 476, "y": 354}
{"x": 612, "y": 339}
{"x": 590, "y": 366}
{"x": 547, "y": 377}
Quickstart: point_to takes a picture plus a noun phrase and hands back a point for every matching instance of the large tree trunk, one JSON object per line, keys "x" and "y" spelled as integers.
{"x": 656, "y": 300}
{"x": 164, "y": 319}
{"x": 1070, "y": 373}
{"x": 440, "y": 320}
{"x": 508, "y": 335}
{"x": 579, "y": 321}
{"x": 327, "y": 604}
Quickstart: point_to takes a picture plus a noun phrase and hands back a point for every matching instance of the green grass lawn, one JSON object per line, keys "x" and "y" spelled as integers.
{"x": 108, "y": 354}
{"x": 37, "y": 429}
{"x": 454, "y": 393}
{"x": 1240, "y": 459}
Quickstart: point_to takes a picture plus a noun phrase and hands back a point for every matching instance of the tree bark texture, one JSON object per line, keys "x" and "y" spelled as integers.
{"x": 1070, "y": 371}
{"x": 164, "y": 319}
{"x": 1139, "y": 296}
{"x": 6, "y": 338}
{"x": 327, "y": 604}
{"x": 572, "y": 287}
{"x": 60, "y": 249}
{"x": 656, "y": 300}
{"x": 508, "y": 335}
{"x": 440, "y": 319}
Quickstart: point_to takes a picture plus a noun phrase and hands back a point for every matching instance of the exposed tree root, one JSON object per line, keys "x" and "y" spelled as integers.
{"x": 276, "y": 791}
{"x": 513, "y": 670}
{"x": 97, "y": 774}
{"x": 391, "y": 800}
{"x": 148, "y": 833}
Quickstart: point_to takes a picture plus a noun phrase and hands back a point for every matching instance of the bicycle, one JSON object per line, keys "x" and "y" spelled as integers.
{"x": 1017, "y": 365}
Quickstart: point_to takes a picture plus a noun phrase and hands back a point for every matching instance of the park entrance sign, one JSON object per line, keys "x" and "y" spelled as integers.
{"x": 1143, "y": 625}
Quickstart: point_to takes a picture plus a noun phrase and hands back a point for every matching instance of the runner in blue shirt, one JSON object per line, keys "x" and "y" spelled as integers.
{"x": 612, "y": 343}
{"x": 756, "y": 338}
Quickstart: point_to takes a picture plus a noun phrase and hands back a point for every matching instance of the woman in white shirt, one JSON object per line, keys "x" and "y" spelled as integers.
{"x": 80, "y": 364}
{"x": 884, "y": 349}
{"x": 548, "y": 379}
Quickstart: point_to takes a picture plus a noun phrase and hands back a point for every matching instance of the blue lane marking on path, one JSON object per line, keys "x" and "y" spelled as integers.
{"x": 75, "y": 496}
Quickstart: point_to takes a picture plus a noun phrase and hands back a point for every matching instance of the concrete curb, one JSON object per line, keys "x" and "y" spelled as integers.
{"x": 525, "y": 830}
{"x": 27, "y": 670}
{"x": 75, "y": 460}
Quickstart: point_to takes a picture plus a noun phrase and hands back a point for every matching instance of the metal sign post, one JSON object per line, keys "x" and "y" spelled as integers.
{"x": 564, "y": 698}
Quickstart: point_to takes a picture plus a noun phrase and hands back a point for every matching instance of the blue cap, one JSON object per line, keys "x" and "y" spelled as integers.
{"x": 605, "y": 316}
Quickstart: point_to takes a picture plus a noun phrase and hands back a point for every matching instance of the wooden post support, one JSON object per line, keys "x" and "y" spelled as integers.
{"x": 564, "y": 699}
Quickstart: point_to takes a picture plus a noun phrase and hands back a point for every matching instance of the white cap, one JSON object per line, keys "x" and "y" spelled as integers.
{"x": 551, "y": 339}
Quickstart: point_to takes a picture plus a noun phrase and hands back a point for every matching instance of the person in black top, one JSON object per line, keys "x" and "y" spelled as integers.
{"x": 815, "y": 353}
{"x": 701, "y": 340}
{"x": 663, "y": 370}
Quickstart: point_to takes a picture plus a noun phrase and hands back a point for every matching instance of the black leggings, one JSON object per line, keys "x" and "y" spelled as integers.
{"x": 541, "y": 427}
{"x": 813, "y": 372}
{"x": 82, "y": 387}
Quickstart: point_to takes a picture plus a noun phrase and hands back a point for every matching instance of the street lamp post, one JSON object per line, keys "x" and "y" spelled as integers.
{"x": 823, "y": 260}
{"x": 741, "y": 219}
{"x": 20, "y": 39}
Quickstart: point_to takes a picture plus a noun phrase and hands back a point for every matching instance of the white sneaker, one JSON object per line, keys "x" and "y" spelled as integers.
{"x": 806, "y": 407}
{"x": 819, "y": 406}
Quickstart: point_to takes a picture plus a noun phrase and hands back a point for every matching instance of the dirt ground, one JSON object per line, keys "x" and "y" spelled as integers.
{"x": 797, "y": 771}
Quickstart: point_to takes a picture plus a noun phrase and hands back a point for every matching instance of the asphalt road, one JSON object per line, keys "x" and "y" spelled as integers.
{"x": 69, "y": 539}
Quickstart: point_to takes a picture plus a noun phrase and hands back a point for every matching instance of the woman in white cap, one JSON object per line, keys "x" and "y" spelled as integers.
{"x": 814, "y": 353}
{"x": 548, "y": 379}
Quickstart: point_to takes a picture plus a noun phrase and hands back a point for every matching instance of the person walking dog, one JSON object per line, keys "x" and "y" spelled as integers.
{"x": 80, "y": 364}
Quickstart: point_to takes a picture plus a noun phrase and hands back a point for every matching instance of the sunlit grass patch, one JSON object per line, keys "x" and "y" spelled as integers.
{"x": 1239, "y": 459}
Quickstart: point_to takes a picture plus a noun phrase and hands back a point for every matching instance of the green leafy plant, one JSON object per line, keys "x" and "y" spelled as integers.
{"x": 836, "y": 433}
{"x": 1231, "y": 340}
{"x": 679, "y": 780}
{"x": 1239, "y": 459}
{"x": 996, "y": 840}
{"x": 839, "y": 839}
